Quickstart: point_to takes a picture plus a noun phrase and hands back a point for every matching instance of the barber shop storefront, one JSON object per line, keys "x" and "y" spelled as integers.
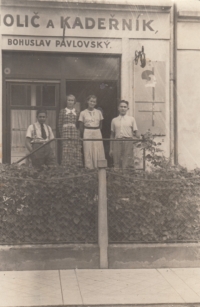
{"x": 51, "y": 49}
{"x": 55, "y": 52}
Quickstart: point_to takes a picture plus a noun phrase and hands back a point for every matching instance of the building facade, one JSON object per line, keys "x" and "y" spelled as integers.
{"x": 52, "y": 48}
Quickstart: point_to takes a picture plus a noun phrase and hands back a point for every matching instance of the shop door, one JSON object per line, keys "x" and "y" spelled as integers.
{"x": 23, "y": 101}
{"x": 107, "y": 97}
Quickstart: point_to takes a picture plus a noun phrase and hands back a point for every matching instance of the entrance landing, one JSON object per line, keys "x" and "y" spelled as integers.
{"x": 100, "y": 287}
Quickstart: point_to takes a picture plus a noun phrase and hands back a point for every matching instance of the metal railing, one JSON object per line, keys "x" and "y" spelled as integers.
{"x": 106, "y": 141}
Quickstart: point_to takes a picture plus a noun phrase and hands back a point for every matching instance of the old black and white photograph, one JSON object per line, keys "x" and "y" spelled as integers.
{"x": 100, "y": 153}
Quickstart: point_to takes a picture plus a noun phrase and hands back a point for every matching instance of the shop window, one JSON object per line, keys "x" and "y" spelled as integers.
{"x": 20, "y": 120}
{"x": 24, "y": 101}
{"x": 20, "y": 95}
{"x": 45, "y": 95}
{"x": 38, "y": 95}
{"x": 48, "y": 95}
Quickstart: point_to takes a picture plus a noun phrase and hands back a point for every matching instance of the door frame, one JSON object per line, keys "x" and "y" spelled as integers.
{"x": 115, "y": 105}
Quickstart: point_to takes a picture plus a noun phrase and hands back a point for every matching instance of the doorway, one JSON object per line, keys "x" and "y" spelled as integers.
{"x": 106, "y": 92}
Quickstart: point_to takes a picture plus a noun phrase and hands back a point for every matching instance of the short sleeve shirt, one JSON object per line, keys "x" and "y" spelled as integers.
{"x": 30, "y": 131}
{"x": 123, "y": 126}
{"x": 91, "y": 118}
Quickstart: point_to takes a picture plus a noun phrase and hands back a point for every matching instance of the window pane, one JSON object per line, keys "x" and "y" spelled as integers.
{"x": 20, "y": 120}
{"x": 92, "y": 67}
{"x": 20, "y": 95}
{"x": 38, "y": 95}
{"x": 48, "y": 95}
{"x": 51, "y": 121}
{"x": 28, "y": 87}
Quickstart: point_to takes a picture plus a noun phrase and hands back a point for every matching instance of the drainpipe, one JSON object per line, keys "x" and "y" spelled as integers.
{"x": 173, "y": 82}
{"x": 1, "y": 98}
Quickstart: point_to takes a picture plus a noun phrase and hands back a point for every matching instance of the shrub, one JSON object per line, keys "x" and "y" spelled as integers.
{"x": 59, "y": 204}
{"x": 155, "y": 210}
{"x": 54, "y": 205}
{"x": 160, "y": 205}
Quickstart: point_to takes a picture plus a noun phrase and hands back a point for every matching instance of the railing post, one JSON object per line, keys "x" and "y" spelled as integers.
{"x": 144, "y": 160}
{"x": 102, "y": 215}
{"x": 56, "y": 150}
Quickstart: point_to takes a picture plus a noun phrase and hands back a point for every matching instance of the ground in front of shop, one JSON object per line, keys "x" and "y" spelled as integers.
{"x": 112, "y": 287}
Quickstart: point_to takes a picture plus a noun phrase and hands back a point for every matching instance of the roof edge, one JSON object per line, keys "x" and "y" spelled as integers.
{"x": 125, "y": 4}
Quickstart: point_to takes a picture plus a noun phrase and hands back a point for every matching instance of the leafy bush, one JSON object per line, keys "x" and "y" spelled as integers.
{"x": 51, "y": 206}
{"x": 159, "y": 206}
{"x": 59, "y": 204}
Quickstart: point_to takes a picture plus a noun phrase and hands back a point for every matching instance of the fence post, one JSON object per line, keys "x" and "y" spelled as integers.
{"x": 102, "y": 214}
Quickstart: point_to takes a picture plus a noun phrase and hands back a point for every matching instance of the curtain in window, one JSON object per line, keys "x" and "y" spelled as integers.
{"x": 20, "y": 120}
{"x": 51, "y": 121}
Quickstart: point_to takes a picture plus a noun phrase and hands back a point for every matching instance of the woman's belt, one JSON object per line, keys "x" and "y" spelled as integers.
{"x": 93, "y": 128}
{"x": 69, "y": 125}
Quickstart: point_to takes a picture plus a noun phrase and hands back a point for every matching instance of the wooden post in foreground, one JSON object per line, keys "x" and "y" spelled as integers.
{"x": 102, "y": 215}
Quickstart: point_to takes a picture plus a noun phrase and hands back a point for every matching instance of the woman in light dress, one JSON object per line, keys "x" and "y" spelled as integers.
{"x": 90, "y": 128}
{"x": 68, "y": 119}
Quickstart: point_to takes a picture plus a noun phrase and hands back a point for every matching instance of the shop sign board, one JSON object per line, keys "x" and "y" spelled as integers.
{"x": 62, "y": 44}
{"x": 84, "y": 23}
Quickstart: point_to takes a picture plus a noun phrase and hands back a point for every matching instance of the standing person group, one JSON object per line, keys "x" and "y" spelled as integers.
{"x": 90, "y": 123}
{"x": 86, "y": 125}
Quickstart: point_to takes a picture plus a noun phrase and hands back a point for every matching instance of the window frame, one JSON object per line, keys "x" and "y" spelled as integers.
{"x": 9, "y": 108}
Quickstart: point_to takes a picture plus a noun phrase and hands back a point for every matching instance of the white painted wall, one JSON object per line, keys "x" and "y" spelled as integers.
{"x": 158, "y": 50}
{"x": 1, "y": 119}
{"x": 188, "y": 83}
{"x": 188, "y": 86}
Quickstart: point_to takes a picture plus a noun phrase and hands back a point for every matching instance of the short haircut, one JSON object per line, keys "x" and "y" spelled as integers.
{"x": 41, "y": 111}
{"x": 71, "y": 95}
{"x": 123, "y": 101}
{"x": 91, "y": 96}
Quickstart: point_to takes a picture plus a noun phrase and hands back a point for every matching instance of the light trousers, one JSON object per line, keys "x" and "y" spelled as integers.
{"x": 123, "y": 153}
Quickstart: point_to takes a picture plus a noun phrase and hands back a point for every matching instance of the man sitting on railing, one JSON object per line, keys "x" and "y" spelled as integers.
{"x": 123, "y": 128}
{"x": 38, "y": 134}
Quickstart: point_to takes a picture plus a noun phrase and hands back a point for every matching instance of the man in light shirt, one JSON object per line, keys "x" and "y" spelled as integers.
{"x": 38, "y": 134}
{"x": 123, "y": 128}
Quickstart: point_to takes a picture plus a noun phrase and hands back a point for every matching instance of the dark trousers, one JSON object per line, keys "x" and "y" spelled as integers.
{"x": 43, "y": 156}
